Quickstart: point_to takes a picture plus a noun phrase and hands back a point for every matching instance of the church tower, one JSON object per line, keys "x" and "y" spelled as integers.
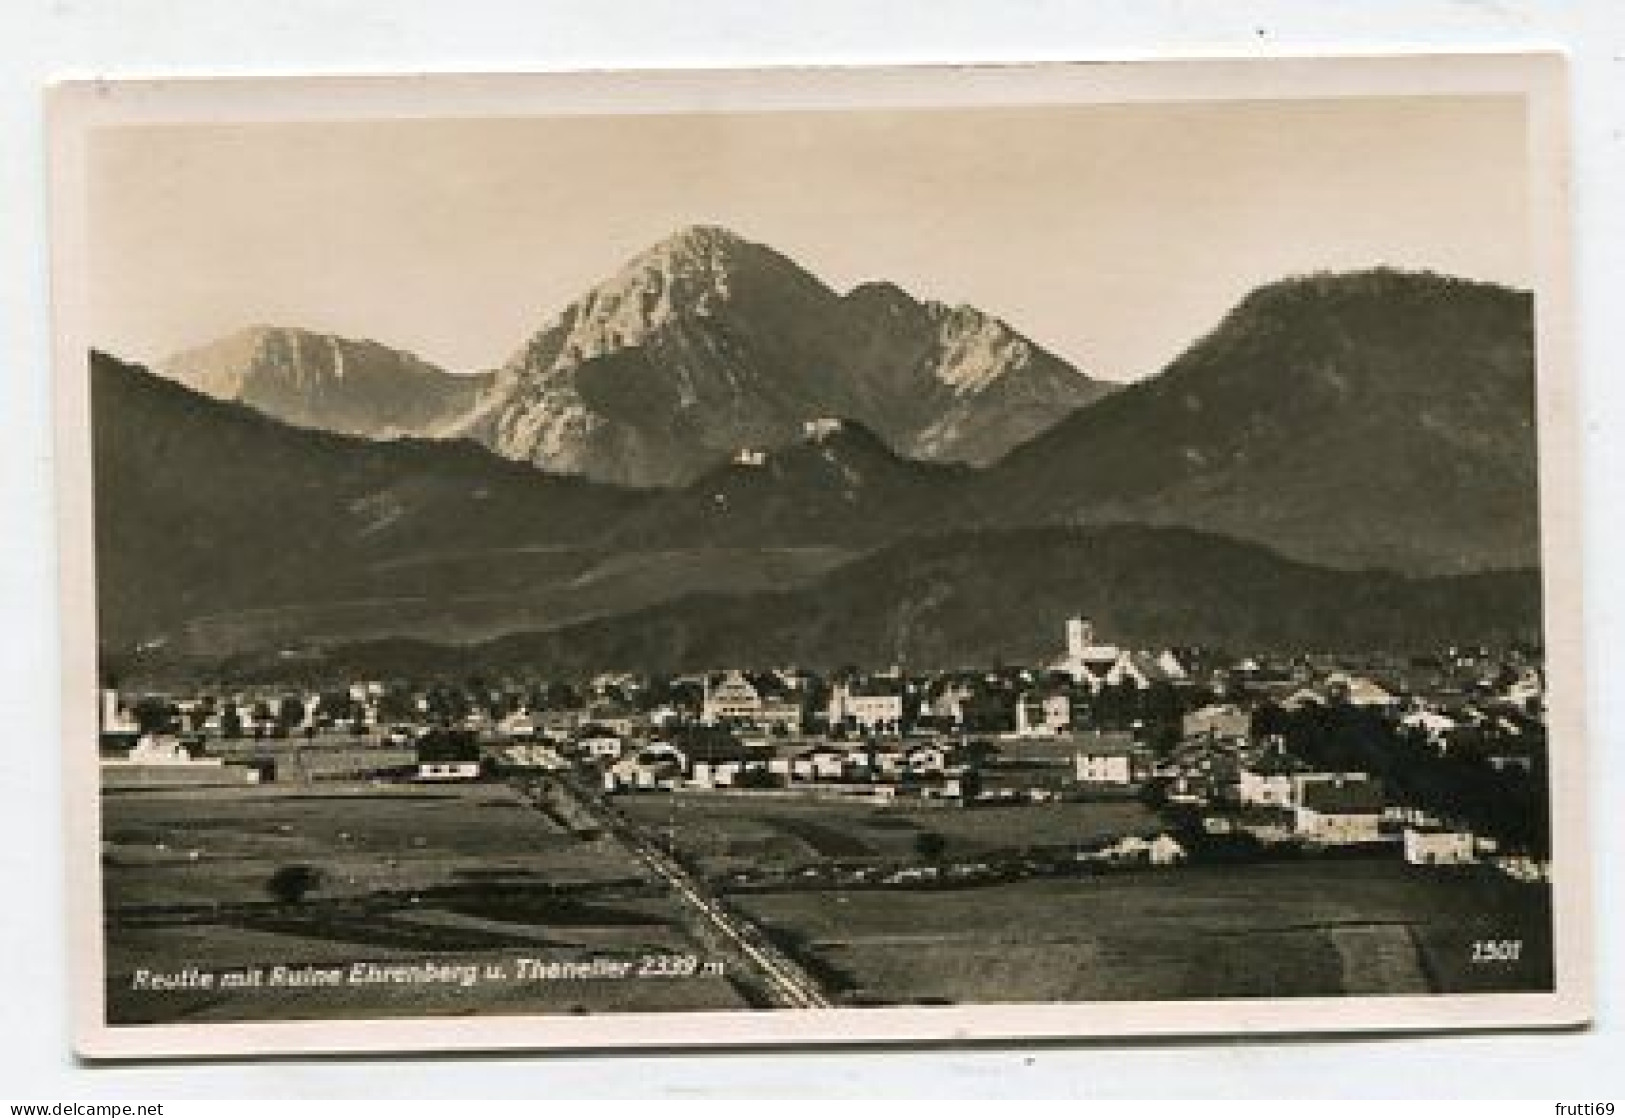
{"x": 1080, "y": 634}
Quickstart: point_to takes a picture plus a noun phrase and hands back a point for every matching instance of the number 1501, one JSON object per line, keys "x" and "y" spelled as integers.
{"x": 1497, "y": 950}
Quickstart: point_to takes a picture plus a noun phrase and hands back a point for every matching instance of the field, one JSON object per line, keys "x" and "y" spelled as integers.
{"x": 1306, "y": 928}
{"x": 454, "y": 874}
{"x": 224, "y": 844}
{"x": 476, "y": 876}
{"x": 722, "y": 833}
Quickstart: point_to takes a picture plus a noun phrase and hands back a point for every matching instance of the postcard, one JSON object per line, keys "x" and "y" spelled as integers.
{"x": 631, "y": 559}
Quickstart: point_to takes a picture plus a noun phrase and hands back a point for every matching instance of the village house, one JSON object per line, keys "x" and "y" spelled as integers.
{"x": 557, "y": 725}
{"x": 1526, "y": 690}
{"x": 664, "y": 715}
{"x": 736, "y": 698}
{"x": 1104, "y": 758}
{"x": 1360, "y": 691}
{"x": 779, "y": 762}
{"x": 1337, "y": 809}
{"x": 518, "y": 726}
{"x": 822, "y": 762}
{"x": 948, "y": 704}
{"x": 873, "y": 708}
{"x": 821, "y": 428}
{"x": 527, "y": 754}
{"x": 1138, "y": 670}
{"x": 620, "y": 718}
{"x": 926, "y": 758}
{"x": 1043, "y": 714}
{"x": 645, "y": 771}
{"x": 116, "y": 717}
{"x": 1163, "y": 850}
{"x": 600, "y": 744}
{"x": 948, "y": 784}
{"x": 1222, "y": 721}
{"x": 780, "y": 714}
{"x": 730, "y": 697}
{"x": 877, "y": 761}
{"x": 1189, "y": 789}
{"x": 1267, "y": 780}
{"x": 1426, "y": 846}
{"x": 1433, "y": 727}
{"x": 718, "y": 762}
{"x": 1509, "y": 757}
{"x": 448, "y": 755}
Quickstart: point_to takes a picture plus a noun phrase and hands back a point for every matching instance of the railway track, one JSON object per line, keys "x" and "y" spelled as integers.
{"x": 790, "y": 985}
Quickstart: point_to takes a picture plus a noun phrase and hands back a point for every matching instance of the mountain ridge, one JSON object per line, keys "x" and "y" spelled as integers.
{"x": 1351, "y": 423}
{"x": 700, "y": 344}
{"x": 1398, "y": 402}
{"x": 325, "y": 381}
{"x": 971, "y": 599}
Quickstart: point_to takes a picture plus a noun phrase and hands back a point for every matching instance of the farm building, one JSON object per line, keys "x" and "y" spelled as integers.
{"x": 1104, "y": 758}
{"x": 1338, "y": 808}
{"x": 1428, "y": 846}
{"x": 448, "y": 755}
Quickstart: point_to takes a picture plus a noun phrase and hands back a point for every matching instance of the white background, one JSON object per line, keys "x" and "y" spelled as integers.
{"x": 45, "y": 39}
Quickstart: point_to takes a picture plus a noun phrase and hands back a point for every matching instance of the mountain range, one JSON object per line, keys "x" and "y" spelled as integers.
{"x": 701, "y": 345}
{"x": 1344, "y": 461}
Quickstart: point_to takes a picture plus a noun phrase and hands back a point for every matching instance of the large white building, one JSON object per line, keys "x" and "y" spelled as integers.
{"x": 733, "y": 697}
{"x": 869, "y": 709}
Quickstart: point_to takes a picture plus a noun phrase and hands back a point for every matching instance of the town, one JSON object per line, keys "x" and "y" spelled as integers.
{"x": 733, "y": 789}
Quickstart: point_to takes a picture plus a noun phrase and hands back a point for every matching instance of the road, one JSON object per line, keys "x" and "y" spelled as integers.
{"x": 790, "y": 985}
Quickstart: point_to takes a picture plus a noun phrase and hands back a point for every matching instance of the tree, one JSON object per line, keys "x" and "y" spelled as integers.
{"x": 758, "y": 778}
{"x": 290, "y": 884}
{"x": 562, "y": 696}
{"x": 930, "y": 845}
{"x": 154, "y": 715}
{"x": 334, "y": 707}
{"x": 200, "y": 714}
{"x": 395, "y": 705}
{"x": 290, "y": 712}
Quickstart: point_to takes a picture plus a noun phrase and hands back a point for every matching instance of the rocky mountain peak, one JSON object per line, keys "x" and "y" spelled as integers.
{"x": 699, "y": 344}
{"x": 703, "y": 241}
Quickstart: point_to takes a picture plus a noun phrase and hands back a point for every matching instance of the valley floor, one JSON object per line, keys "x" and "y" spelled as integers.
{"x": 494, "y": 891}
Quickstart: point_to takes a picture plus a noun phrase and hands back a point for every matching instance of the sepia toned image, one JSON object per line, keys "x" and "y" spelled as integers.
{"x": 827, "y": 555}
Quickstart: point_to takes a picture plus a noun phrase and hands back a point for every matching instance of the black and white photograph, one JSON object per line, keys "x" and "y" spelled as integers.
{"x": 820, "y": 556}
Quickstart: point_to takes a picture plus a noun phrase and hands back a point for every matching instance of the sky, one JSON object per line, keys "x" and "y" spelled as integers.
{"x": 1114, "y": 235}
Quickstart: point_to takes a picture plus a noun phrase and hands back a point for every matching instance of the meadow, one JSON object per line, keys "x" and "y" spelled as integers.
{"x": 455, "y": 874}
{"x": 1290, "y": 929}
{"x": 723, "y": 833}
